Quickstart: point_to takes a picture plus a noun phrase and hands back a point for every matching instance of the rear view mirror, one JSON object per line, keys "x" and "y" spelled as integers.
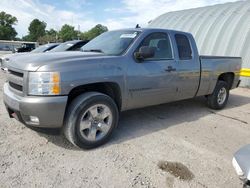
{"x": 145, "y": 52}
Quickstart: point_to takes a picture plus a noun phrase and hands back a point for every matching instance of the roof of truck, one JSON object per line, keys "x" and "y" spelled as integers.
{"x": 153, "y": 29}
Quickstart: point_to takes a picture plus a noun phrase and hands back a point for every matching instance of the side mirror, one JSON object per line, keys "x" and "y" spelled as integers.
{"x": 144, "y": 53}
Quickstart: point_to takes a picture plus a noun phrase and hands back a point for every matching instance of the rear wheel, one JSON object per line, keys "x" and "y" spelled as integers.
{"x": 218, "y": 99}
{"x": 90, "y": 120}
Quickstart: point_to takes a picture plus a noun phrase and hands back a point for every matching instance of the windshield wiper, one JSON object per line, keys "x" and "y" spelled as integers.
{"x": 94, "y": 50}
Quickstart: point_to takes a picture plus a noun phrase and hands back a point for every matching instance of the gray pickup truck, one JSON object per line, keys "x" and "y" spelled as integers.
{"x": 83, "y": 92}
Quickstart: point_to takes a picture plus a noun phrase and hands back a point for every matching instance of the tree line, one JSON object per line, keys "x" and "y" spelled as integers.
{"x": 37, "y": 31}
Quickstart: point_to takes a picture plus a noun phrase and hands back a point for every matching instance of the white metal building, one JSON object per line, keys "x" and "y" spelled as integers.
{"x": 222, "y": 29}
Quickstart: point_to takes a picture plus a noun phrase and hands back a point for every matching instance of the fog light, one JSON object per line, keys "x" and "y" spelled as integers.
{"x": 34, "y": 119}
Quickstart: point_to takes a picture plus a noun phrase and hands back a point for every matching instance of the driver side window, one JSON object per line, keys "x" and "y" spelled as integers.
{"x": 161, "y": 45}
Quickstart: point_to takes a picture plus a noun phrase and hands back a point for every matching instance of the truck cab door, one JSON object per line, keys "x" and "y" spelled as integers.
{"x": 188, "y": 66}
{"x": 152, "y": 80}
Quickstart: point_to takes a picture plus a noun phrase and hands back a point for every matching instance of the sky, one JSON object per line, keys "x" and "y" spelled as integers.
{"x": 114, "y": 14}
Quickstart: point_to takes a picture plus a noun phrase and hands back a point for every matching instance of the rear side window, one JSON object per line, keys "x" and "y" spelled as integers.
{"x": 184, "y": 48}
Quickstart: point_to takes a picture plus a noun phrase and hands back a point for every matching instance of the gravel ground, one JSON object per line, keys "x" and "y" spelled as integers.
{"x": 182, "y": 144}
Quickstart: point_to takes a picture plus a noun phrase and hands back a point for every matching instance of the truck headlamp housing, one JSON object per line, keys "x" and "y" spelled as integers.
{"x": 44, "y": 83}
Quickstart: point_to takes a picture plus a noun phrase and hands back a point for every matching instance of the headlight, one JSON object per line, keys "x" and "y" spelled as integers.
{"x": 44, "y": 83}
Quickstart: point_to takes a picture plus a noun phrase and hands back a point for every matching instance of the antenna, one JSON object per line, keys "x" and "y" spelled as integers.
{"x": 137, "y": 26}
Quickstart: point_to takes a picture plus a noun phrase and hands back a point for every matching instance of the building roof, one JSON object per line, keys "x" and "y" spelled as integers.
{"x": 222, "y": 29}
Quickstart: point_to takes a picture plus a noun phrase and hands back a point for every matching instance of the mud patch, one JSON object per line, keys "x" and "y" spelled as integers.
{"x": 176, "y": 169}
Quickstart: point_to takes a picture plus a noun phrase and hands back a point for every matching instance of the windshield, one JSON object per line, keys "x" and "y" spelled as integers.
{"x": 62, "y": 47}
{"x": 112, "y": 42}
{"x": 42, "y": 48}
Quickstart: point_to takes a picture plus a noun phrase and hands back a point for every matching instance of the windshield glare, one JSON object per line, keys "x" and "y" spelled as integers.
{"x": 112, "y": 42}
{"x": 62, "y": 47}
{"x": 40, "y": 49}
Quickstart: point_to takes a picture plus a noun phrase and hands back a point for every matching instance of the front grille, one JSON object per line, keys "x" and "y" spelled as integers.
{"x": 15, "y": 80}
{"x": 15, "y": 86}
{"x": 19, "y": 74}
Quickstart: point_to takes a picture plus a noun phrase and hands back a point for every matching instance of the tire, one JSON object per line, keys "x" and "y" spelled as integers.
{"x": 86, "y": 124}
{"x": 218, "y": 99}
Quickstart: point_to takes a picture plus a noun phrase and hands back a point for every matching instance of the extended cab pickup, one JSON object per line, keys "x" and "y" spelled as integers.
{"x": 83, "y": 92}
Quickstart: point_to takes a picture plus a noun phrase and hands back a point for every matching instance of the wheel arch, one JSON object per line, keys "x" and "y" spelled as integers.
{"x": 111, "y": 89}
{"x": 227, "y": 77}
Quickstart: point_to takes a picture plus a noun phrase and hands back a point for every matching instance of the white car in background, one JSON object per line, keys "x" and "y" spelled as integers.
{"x": 241, "y": 163}
{"x": 41, "y": 49}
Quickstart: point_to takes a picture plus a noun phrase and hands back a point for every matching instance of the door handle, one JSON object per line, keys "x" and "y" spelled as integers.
{"x": 170, "y": 69}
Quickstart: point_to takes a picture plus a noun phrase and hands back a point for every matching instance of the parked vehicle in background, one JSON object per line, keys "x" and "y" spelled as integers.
{"x": 74, "y": 45}
{"x": 23, "y": 49}
{"x": 5, "y": 48}
{"x": 241, "y": 163}
{"x": 12, "y": 46}
{"x": 83, "y": 92}
{"x": 43, "y": 48}
{"x": 26, "y": 47}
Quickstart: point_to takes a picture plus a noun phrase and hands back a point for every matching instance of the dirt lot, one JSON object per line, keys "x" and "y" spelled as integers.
{"x": 198, "y": 144}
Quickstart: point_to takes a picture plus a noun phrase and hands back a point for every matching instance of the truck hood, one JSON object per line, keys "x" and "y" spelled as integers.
{"x": 7, "y": 56}
{"x": 32, "y": 62}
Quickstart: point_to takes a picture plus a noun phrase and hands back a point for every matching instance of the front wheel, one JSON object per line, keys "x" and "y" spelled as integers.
{"x": 218, "y": 99}
{"x": 90, "y": 120}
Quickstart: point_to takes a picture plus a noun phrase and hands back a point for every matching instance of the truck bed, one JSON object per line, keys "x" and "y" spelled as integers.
{"x": 212, "y": 66}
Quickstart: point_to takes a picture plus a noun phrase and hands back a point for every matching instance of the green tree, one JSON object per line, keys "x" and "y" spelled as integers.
{"x": 94, "y": 32}
{"x": 50, "y": 36}
{"x": 51, "y": 32}
{"x": 26, "y": 38}
{"x": 7, "y": 32}
{"x": 47, "y": 39}
{"x": 67, "y": 32}
{"x": 36, "y": 30}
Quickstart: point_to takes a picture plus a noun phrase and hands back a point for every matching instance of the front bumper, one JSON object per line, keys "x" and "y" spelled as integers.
{"x": 49, "y": 110}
